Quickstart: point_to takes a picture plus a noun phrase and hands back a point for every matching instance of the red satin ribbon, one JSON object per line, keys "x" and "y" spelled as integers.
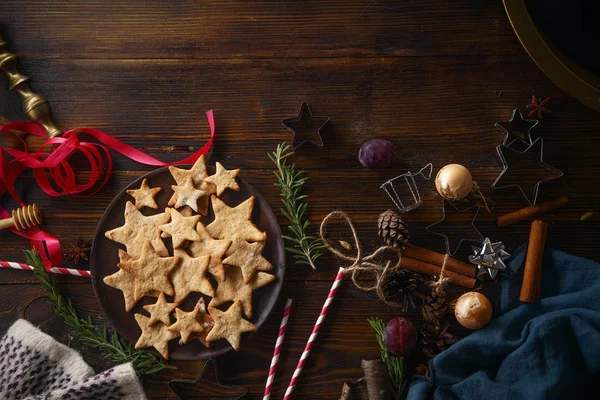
{"x": 52, "y": 170}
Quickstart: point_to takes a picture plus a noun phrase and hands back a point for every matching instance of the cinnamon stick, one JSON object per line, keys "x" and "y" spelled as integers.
{"x": 435, "y": 258}
{"x": 424, "y": 268}
{"x": 530, "y": 289}
{"x": 531, "y": 211}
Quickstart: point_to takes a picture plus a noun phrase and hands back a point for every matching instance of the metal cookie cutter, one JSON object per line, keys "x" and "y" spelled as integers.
{"x": 182, "y": 387}
{"x": 531, "y": 163}
{"x": 409, "y": 192}
{"x": 473, "y": 233}
{"x": 306, "y": 127}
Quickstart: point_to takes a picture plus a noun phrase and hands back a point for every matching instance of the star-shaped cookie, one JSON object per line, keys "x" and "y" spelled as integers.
{"x": 188, "y": 195}
{"x": 181, "y": 228}
{"x": 230, "y": 221}
{"x": 207, "y": 246}
{"x": 233, "y": 288}
{"x": 248, "y": 256}
{"x": 190, "y": 276}
{"x": 160, "y": 311}
{"x": 224, "y": 179}
{"x": 125, "y": 282}
{"x": 206, "y": 321}
{"x": 157, "y": 336}
{"x": 144, "y": 196}
{"x": 229, "y": 325}
{"x": 198, "y": 174}
{"x": 187, "y": 324}
{"x": 137, "y": 229}
{"x": 151, "y": 272}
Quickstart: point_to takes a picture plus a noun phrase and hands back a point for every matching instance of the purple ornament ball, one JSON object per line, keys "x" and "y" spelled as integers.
{"x": 377, "y": 153}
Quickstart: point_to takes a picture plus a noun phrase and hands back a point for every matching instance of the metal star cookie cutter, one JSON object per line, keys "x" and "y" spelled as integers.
{"x": 304, "y": 126}
{"x": 517, "y": 130}
{"x": 489, "y": 258}
{"x": 533, "y": 156}
{"x": 477, "y": 237}
{"x": 396, "y": 194}
{"x": 210, "y": 368}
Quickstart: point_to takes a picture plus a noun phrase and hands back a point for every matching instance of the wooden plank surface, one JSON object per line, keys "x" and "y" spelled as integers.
{"x": 433, "y": 77}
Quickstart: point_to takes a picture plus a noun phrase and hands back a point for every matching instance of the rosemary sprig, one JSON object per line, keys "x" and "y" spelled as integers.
{"x": 112, "y": 346}
{"x": 304, "y": 247}
{"x": 395, "y": 364}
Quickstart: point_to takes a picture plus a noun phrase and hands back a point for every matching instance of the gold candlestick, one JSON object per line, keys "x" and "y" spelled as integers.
{"x": 35, "y": 107}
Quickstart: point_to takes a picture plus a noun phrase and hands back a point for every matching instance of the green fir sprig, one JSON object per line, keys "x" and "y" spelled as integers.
{"x": 304, "y": 247}
{"x": 395, "y": 364}
{"x": 111, "y": 345}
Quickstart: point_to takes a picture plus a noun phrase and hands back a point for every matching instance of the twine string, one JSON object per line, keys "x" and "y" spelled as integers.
{"x": 441, "y": 281}
{"x": 363, "y": 264}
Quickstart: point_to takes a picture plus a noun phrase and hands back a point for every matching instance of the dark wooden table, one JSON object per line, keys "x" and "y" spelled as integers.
{"x": 432, "y": 76}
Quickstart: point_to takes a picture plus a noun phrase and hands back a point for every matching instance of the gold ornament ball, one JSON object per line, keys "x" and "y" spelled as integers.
{"x": 454, "y": 182}
{"x": 473, "y": 310}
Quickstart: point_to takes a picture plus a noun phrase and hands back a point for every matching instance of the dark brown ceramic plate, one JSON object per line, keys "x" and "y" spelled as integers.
{"x": 104, "y": 259}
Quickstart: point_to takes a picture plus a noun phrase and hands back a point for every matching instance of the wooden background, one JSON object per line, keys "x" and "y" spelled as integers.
{"x": 431, "y": 76}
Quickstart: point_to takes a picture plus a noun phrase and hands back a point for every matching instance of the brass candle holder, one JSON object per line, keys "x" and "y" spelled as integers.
{"x": 35, "y": 107}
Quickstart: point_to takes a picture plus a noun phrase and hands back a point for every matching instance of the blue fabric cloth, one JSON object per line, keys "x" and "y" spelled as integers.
{"x": 549, "y": 349}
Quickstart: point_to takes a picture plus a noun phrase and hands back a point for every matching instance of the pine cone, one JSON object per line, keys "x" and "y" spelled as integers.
{"x": 403, "y": 286}
{"x": 435, "y": 339}
{"x": 435, "y": 305}
{"x": 392, "y": 229}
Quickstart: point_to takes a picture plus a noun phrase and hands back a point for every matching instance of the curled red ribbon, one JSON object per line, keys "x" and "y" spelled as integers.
{"x": 51, "y": 168}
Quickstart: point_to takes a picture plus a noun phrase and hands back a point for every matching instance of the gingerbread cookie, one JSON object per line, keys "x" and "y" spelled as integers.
{"x": 188, "y": 195}
{"x": 236, "y": 221}
{"x": 181, "y": 228}
{"x": 137, "y": 229}
{"x": 229, "y": 325}
{"x": 233, "y": 288}
{"x": 224, "y": 179}
{"x": 190, "y": 276}
{"x": 187, "y": 324}
{"x": 157, "y": 336}
{"x": 248, "y": 257}
{"x": 160, "y": 311}
{"x": 124, "y": 281}
{"x": 207, "y": 246}
{"x": 151, "y": 272}
{"x": 144, "y": 196}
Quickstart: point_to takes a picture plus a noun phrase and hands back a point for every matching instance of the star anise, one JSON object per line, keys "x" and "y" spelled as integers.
{"x": 78, "y": 251}
{"x": 538, "y": 107}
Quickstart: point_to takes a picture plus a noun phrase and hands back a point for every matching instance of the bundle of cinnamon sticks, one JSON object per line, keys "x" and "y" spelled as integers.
{"x": 428, "y": 262}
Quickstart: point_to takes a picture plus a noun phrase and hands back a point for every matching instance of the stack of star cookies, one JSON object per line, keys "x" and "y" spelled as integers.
{"x": 222, "y": 260}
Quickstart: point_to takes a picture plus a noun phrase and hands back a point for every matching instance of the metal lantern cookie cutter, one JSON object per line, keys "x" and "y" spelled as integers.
{"x": 471, "y": 227}
{"x": 409, "y": 180}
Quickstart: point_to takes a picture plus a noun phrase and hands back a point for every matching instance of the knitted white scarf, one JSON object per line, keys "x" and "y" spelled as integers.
{"x": 35, "y": 366}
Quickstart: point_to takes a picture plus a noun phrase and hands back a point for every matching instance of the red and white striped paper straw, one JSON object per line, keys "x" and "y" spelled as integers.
{"x": 278, "y": 343}
{"x": 313, "y": 336}
{"x": 55, "y": 270}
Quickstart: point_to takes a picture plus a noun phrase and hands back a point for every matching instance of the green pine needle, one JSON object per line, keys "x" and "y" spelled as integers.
{"x": 111, "y": 346}
{"x": 306, "y": 249}
{"x": 395, "y": 364}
